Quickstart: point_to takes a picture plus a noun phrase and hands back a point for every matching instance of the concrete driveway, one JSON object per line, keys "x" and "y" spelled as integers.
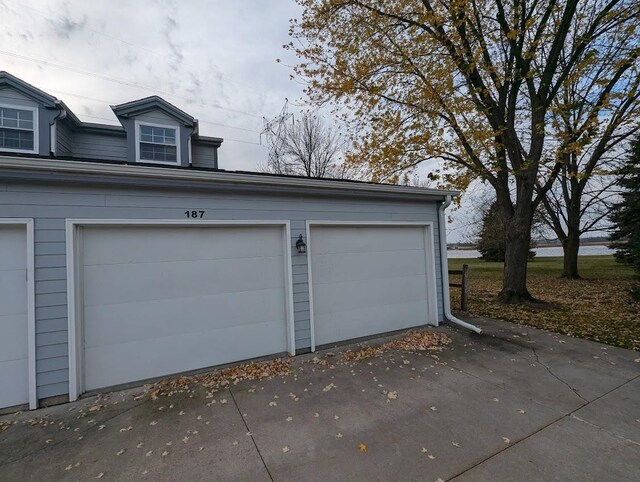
{"x": 515, "y": 403}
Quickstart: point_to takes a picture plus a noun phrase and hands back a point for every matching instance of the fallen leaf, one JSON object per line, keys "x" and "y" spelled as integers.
{"x": 165, "y": 453}
{"x": 432, "y": 457}
{"x": 392, "y": 395}
{"x": 288, "y": 419}
{"x": 148, "y": 454}
{"x": 506, "y": 440}
{"x": 139, "y": 445}
{"x": 456, "y": 444}
{"x": 362, "y": 447}
{"x": 285, "y": 449}
{"x": 424, "y": 450}
{"x": 433, "y": 408}
{"x": 153, "y": 422}
{"x": 121, "y": 451}
{"x": 100, "y": 475}
{"x": 338, "y": 435}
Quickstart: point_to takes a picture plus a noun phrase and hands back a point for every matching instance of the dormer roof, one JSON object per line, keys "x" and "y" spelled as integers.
{"x": 6, "y": 79}
{"x": 154, "y": 102}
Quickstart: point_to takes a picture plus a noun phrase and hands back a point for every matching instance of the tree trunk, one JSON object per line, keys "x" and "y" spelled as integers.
{"x": 571, "y": 246}
{"x": 514, "y": 282}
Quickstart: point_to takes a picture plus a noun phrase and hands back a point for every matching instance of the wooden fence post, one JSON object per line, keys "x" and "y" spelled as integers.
{"x": 464, "y": 298}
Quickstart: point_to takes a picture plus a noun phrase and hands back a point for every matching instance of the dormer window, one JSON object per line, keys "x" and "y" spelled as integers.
{"x": 157, "y": 144}
{"x": 18, "y": 129}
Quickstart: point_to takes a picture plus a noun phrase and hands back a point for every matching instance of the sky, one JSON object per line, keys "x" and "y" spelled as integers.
{"x": 215, "y": 59}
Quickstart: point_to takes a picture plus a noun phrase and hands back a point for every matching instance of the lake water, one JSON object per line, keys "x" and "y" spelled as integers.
{"x": 546, "y": 252}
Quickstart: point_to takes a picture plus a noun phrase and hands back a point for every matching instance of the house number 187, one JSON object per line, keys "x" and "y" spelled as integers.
{"x": 194, "y": 214}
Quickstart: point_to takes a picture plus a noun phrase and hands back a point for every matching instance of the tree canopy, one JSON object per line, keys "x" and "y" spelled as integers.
{"x": 471, "y": 83}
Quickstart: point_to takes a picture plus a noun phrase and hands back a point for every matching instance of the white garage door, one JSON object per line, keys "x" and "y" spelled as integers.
{"x": 14, "y": 361}
{"x": 367, "y": 280}
{"x": 163, "y": 300}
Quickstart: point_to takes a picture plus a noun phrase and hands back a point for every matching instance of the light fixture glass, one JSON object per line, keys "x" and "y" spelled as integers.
{"x": 301, "y": 246}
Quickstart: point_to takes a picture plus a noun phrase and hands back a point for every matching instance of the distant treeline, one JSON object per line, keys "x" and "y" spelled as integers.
{"x": 593, "y": 240}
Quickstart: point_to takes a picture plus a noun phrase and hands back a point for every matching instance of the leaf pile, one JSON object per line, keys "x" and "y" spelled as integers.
{"x": 362, "y": 353}
{"x": 223, "y": 378}
{"x": 413, "y": 341}
{"x": 419, "y": 340}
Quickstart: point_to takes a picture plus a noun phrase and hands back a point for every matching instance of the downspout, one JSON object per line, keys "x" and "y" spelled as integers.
{"x": 445, "y": 271}
{"x": 53, "y": 132}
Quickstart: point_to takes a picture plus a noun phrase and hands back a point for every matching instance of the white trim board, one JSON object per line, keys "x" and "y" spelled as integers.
{"x": 31, "y": 310}
{"x": 432, "y": 299}
{"x": 76, "y": 376}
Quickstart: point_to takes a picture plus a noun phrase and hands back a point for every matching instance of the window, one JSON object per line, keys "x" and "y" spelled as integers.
{"x": 18, "y": 129}
{"x": 157, "y": 144}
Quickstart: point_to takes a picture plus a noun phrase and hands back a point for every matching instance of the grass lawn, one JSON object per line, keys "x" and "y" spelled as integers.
{"x": 597, "y": 307}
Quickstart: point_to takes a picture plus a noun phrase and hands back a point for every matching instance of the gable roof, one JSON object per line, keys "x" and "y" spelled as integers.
{"x": 6, "y": 79}
{"x": 140, "y": 106}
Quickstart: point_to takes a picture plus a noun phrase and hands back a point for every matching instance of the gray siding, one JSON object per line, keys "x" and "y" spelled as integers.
{"x": 203, "y": 156}
{"x": 64, "y": 139}
{"x": 51, "y": 204}
{"x": 98, "y": 146}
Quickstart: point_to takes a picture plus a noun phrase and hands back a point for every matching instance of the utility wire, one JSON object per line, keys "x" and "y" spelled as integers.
{"x": 121, "y": 82}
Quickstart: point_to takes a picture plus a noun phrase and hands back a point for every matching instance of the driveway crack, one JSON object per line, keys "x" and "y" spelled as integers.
{"x": 250, "y": 433}
{"x": 546, "y": 367}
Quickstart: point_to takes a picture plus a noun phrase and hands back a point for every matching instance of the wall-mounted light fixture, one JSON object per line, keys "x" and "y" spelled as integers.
{"x": 301, "y": 246}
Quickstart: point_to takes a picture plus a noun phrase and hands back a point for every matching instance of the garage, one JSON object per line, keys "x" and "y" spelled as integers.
{"x": 16, "y": 314}
{"x": 163, "y": 299}
{"x": 368, "y": 279}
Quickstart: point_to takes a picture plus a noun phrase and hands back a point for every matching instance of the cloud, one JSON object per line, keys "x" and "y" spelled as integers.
{"x": 66, "y": 27}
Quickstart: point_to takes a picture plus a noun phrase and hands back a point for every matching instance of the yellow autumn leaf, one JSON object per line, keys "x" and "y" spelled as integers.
{"x": 362, "y": 447}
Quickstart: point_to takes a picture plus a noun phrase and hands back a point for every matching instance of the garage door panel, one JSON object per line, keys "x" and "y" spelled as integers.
{"x": 367, "y": 280}
{"x": 339, "y": 267}
{"x": 159, "y": 357}
{"x": 346, "y": 325}
{"x": 14, "y": 294}
{"x": 14, "y": 247}
{"x": 162, "y": 300}
{"x": 114, "y": 324}
{"x": 14, "y": 382}
{"x": 13, "y": 341}
{"x": 114, "y": 245}
{"x": 373, "y": 292}
{"x": 14, "y": 362}
{"x": 331, "y": 239}
{"x": 176, "y": 279}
